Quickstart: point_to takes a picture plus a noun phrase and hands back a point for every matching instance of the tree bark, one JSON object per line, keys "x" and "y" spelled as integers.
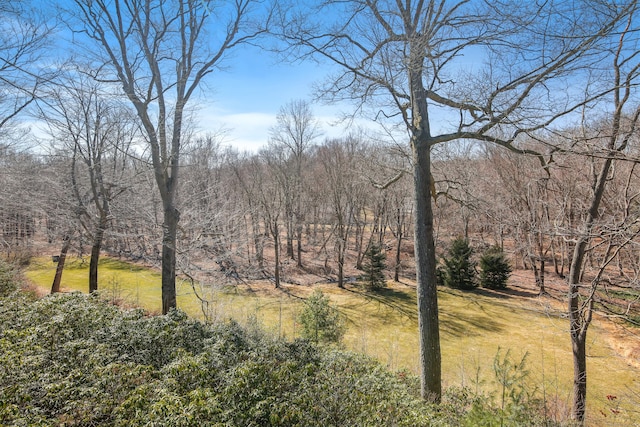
{"x": 578, "y": 330}
{"x": 299, "y": 241}
{"x": 578, "y": 346}
{"x": 169, "y": 238}
{"x": 398, "y": 267}
{"x": 341, "y": 271}
{"x": 95, "y": 255}
{"x": 341, "y": 247}
{"x": 276, "y": 246}
{"x": 66, "y": 243}
{"x": 425, "y": 254}
{"x": 580, "y": 313}
{"x": 290, "y": 253}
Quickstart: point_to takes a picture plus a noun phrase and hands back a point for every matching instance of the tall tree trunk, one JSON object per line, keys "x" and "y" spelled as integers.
{"x": 299, "y": 241}
{"x": 578, "y": 347}
{"x": 425, "y": 254}
{"x": 290, "y": 253}
{"x": 542, "y": 289}
{"x": 556, "y": 265}
{"x": 341, "y": 271}
{"x": 581, "y": 312}
{"x": 290, "y": 232}
{"x": 538, "y": 273}
{"x": 258, "y": 242}
{"x": 66, "y": 243}
{"x": 398, "y": 267}
{"x": 578, "y": 324}
{"x": 95, "y": 255}
{"x": 169, "y": 239}
{"x": 276, "y": 245}
{"x": 341, "y": 250}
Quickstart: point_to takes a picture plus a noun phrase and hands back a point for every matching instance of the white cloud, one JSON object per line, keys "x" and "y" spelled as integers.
{"x": 250, "y": 131}
{"x": 243, "y": 131}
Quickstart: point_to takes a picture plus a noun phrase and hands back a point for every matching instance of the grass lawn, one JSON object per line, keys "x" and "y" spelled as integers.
{"x": 474, "y": 327}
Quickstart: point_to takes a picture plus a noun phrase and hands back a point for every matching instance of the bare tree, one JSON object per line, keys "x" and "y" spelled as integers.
{"x": 23, "y": 37}
{"x": 24, "y": 33}
{"x": 403, "y": 57}
{"x": 248, "y": 174}
{"x": 21, "y": 194}
{"x": 213, "y": 219}
{"x": 159, "y": 51}
{"x": 527, "y": 188}
{"x": 98, "y": 132}
{"x": 338, "y": 159}
{"x": 608, "y": 144}
{"x": 295, "y": 133}
{"x": 273, "y": 200}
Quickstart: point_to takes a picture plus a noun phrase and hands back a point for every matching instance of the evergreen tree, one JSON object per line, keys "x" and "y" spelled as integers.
{"x": 494, "y": 269}
{"x": 321, "y": 322}
{"x": 459, "y": 269}
{"x": 374, "y": 267}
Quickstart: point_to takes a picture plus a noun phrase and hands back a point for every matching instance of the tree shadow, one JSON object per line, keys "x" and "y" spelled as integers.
{"x": 117, "y": 265}
{"x": 398, "y": 301}
{"x": 506, "y": 293}
{"x": 469, "y": 324}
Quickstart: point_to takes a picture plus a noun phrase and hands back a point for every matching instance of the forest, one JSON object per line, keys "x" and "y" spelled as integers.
{"x": 532, "y": 149}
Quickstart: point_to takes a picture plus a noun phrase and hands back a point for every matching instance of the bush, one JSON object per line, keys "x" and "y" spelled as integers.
{"x": 72, "y": 359}
{"x": 494, "y": 269}
{"x": 459, "y": 270}
{"x": 8, "y": 283}
{"x": 321, "y": 322}
{"x": 374, "y": 268}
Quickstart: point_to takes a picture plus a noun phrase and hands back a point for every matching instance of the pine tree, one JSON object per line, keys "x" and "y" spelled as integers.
{"x": 494, "y": 269}
{"x": 374, "y": 267}
{"x": 459, "y": 269}
{"x": 321, "y": 322}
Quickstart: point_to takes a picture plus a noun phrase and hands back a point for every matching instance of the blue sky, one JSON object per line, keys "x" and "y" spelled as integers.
{"x": 245, "y": 98}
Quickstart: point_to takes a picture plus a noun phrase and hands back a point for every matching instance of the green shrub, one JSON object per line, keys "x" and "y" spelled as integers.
{"x": 374, "y": 267}
{"x": 494, "y": 269}
{"x": 321, "y": 322}
{"x": 515, "y": 404}
{"x": 72, "y": 359}
{"x": 459, "y": 269}
{"x": 8, "y": 283}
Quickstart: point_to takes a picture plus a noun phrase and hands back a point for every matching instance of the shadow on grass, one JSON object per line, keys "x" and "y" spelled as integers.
{"x": 456, "y": 321}
{"x": 467, "y": 324}
{"x": 462, "y": 315}
{"x": 117, "y": 265}
{"x": 505, "y": 293}
{"x": 399, "y": 302}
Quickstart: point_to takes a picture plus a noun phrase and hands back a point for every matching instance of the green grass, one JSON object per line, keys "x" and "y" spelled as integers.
{"x": 473, "y": 325}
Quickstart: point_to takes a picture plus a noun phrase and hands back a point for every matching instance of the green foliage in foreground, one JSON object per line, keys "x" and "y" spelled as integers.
{"x": 8, "y": 282}
{"x": 72, "y": 359}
